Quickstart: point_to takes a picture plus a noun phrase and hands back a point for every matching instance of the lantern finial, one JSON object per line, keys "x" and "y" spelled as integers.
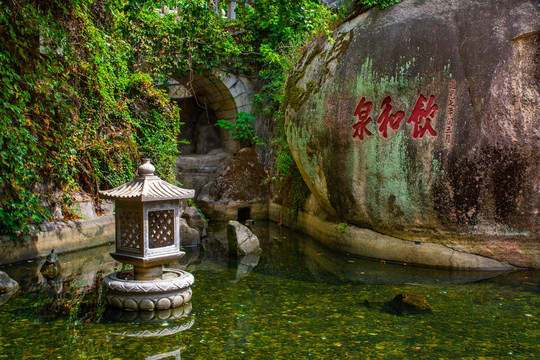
{"x": 146, "y": 169}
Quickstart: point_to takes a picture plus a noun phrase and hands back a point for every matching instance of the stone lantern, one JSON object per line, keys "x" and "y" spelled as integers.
{"x": 147, "y": 236}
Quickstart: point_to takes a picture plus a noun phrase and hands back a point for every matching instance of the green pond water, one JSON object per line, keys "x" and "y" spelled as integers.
{"x": 297, "y": 301}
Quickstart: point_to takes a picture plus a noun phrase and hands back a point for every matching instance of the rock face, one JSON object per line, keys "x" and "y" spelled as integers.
{"x": 188, "y": 235}
{"x": 196, "y": 170}
{"x": 241, "y": 240}
{"x": 84, "y": 206}
{"x": 242, "y": 180}
{"x": 207, "y": 139}
{"x": 62, "y": 236}
{"x": 240, "y": 188}
{"x": 422, "y": 122}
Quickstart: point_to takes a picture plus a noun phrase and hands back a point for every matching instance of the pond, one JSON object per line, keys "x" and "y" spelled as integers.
{"x": 298, "y": 300}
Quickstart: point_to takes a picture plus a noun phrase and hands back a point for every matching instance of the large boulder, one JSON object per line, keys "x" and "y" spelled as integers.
{"x": 422, "y": 122}
{"x": 243, "y": 180}
{"x": 239, "y": 193}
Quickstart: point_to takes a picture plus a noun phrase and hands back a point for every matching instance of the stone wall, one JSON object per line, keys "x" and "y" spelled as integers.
{"x": 60, "y": 236}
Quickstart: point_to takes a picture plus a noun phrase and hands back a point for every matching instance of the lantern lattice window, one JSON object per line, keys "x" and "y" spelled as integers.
{"x": 130, "y": 229}
{"x": 161, "y": 228}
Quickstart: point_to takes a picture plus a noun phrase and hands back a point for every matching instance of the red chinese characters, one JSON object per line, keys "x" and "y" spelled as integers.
{"x": 423, "y": 113}
{"x": 386, "y": 119}
{"x": 362, "y": 112}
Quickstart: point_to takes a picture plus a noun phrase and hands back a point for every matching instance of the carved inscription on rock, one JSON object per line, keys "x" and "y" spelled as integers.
{"x": 421, "y": 117}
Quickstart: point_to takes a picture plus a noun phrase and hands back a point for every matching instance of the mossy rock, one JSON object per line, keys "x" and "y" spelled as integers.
{"x": 406, "y": 303}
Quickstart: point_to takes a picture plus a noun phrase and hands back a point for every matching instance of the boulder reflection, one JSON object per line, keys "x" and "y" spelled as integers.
{"x": 323, "y": 263}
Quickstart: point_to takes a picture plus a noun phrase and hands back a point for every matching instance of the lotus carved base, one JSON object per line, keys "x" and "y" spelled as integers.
{"x": 172, "y": 291}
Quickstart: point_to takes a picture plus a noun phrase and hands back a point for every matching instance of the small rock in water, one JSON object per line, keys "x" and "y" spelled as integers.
{"x": 241, "y": 240}
{"x": 51, "y": 268}
{"x": 7, "y": 284}
{"x": 8, "y": 287}
{"x": 406, "y": 303}
{"x": 372, "y": 303}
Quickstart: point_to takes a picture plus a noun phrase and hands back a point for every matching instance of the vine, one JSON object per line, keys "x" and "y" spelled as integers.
{"x": 242, "y": 129}
{"x": 75, "y": 114}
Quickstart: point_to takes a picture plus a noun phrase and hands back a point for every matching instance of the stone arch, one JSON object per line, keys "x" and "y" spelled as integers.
{"x": 218, "y": 93}
{"x": 223, "y": 95}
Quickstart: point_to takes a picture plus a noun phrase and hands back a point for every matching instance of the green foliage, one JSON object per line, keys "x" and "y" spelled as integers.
{"x": 77, "y": 302}
{"x": 342, "y": 227}
{"x": 284, "y": 161}
{"x": 274, "y": 38}
{"x": 190, "y": 39}
{"x": 366, "y": 4}
{"x": 299, "y": 190}
{"x": 191, "y": 202}
{"x": 242, "y": 130}
{"x": 74, "y": 112}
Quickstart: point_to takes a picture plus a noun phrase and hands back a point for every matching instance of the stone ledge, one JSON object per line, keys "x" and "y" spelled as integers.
{"x": 60, "y": 236}
{"x": 370, "y": 244}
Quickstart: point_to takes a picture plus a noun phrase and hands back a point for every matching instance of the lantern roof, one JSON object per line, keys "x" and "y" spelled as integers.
{"x": 147, "y": 187}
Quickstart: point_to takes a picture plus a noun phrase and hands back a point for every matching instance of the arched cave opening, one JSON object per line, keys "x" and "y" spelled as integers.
{"x": 199, "y": 134}
{"x": 203, "y": 100}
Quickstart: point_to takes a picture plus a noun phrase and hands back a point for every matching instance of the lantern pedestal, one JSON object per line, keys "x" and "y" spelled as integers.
{"x": 147, "y": 273}
{"x": 170, "y": 292}
{"x": 148, "y": 236}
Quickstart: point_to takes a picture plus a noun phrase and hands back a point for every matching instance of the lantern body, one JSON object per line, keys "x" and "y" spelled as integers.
{"x": 147, "y": 234}
{"x": 147, "y": 222}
